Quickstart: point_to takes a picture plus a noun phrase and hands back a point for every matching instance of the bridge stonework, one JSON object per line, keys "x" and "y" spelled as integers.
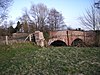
{"x": 70, "y": 36}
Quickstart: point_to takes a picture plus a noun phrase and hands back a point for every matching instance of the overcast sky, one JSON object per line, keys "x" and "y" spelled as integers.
{"x": 70, "y": 9}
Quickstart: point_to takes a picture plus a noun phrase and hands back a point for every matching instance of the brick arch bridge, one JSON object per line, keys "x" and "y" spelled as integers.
{"x": 71, "y": 38}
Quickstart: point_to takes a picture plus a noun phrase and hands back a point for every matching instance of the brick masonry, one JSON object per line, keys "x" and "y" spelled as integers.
{"x": 69, "y": 36}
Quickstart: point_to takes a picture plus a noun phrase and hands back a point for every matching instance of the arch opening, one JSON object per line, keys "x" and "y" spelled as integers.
{"x": 78, "y": 42}
{"x": 58, "y": 43}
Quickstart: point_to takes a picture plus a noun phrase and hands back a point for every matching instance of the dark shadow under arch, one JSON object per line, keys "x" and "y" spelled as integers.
{"x": 58, "y": 43}
{"x": 78, "y": 42}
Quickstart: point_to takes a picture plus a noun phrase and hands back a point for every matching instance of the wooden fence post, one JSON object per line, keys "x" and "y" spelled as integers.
{"x": 6, "y": 40}
{"x": 30, "y": 39}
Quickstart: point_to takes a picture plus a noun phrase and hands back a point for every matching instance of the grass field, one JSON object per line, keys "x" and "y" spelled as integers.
{"x": 27, "y": 59}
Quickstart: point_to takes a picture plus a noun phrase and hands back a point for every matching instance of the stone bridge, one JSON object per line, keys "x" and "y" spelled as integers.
{"x": 71, "y": 38}
{"x": 64, "y": 38}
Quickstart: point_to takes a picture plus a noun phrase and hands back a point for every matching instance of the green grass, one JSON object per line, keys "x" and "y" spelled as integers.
{"x": 27, "y": 59}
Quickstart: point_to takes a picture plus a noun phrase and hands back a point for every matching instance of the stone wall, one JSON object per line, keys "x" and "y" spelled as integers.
{"x": 20, "y": 35}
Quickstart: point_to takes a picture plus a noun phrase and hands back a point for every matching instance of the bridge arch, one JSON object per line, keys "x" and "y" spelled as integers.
{"x": 58, "y": 43}
{"x": 77, "y": 42}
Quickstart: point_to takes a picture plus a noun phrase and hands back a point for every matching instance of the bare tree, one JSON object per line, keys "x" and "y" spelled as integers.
{"x": 25, "y": 19}
{"x": 40, "y": 18}
{"x": 4, "y": 4}
{"x": 25, "y": 16}
{"x": 55, "y": 20}
{"x": 90, "y": 19}
{"x": 39, "y": 15}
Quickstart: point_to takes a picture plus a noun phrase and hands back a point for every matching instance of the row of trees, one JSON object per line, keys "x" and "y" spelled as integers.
{"x": 39, "y": 17}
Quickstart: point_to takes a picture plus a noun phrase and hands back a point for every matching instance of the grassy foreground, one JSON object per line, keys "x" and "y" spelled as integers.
{"x": 27, "y": 59}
